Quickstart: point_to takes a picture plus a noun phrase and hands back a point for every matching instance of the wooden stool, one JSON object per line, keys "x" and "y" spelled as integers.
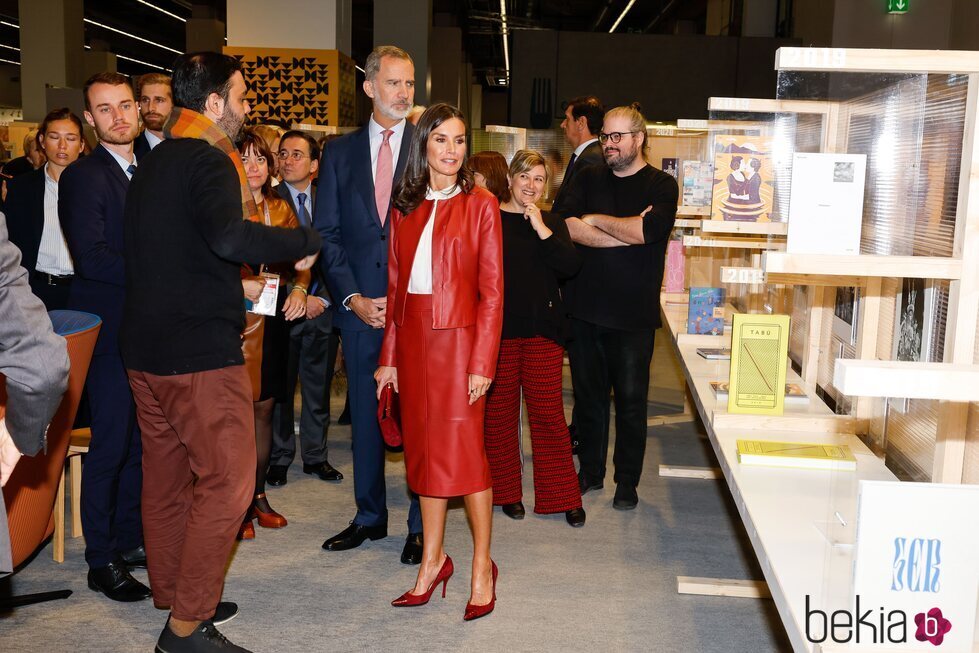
{"x": 77, "y": 445}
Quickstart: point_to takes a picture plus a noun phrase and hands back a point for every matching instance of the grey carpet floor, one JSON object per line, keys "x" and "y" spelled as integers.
{"x": 610, "y": 586}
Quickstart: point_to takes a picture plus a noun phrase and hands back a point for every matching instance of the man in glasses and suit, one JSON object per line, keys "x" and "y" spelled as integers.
{"x": 312, "y": 343}
{"x": 358, "y": 173}
{"x": 620, "y": 215}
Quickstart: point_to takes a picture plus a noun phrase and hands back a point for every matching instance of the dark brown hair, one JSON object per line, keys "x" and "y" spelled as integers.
{"x": 492, "y": 165}
{"x": 589, "y": 107}
{"x": 63, "y": 113}
{"x": 410, "y": 191}
{"x": 250, "y": 139}
{"x": 112, "y": 79}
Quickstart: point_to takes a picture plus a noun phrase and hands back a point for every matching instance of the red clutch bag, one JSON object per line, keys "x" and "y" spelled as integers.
{"x": 389, "y": 417}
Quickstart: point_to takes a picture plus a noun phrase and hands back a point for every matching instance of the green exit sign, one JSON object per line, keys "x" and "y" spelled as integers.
{"x": 898, "y": 6}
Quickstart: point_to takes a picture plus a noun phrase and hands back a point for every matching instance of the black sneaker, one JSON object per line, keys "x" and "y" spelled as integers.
{"x": 206, "y": 639}
{"x": 626, "y": 497}
{"x": 225, "y": 612}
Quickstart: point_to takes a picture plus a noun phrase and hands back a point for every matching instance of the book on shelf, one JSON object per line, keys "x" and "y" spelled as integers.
{"x": 793, "y": 391}
{"x": 826, "y": 203}
{"x": 697, "y": 182}
{"x": 759, "y": 348}
{"x": 796, "y": 454}
{"x": 705, "y": 315}
{"x": 715, "y": 354}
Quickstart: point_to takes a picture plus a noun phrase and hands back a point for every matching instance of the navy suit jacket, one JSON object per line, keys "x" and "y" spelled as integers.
{"x": 91, "y": 202}
{"x": 325, "y": 321}
{"x": 355, "y": 247}
{"x": 141, "y": 146}
{"x": 24, "y": 209}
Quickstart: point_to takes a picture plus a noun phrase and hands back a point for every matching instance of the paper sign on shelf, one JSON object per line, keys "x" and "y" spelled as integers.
{"x": 917, "y": 561}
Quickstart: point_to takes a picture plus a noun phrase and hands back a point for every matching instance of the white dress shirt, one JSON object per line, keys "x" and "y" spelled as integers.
{"x": 52, "y": 254}
{"x": 374, "y": 130}
{"x": 420, "y": 282}
{"x": 152, "y": 139}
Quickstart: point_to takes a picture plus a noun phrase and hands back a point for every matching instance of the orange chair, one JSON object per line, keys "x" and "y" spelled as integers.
{"x": 31, "y": 491}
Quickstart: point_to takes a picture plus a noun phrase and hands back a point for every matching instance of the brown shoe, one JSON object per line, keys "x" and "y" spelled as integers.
{"x": 267, "y": 518}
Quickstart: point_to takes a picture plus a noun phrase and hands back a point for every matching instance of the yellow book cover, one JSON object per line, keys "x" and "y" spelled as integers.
{"x": 759, "y": 348}
{"x": 796, "y": 454}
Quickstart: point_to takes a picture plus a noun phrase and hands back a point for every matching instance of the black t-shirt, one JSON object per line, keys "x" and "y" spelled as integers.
{"x": 618, "y": 287}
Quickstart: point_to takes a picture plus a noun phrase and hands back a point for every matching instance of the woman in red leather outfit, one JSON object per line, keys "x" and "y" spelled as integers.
{"x": 444, "y": 318}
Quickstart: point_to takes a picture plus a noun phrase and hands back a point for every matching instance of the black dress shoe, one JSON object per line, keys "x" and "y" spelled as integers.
{"x": 412, "y": 553}
{"x": 514, "y": 510}
{"x": 586, "y": 483}
{"x": 135, "y": 558}
{"x": 353, "y": 536}
{"x": 206, "y": 639}
{"x": 625, "y": 497}
{"x": 575, "y": 517}
{"x": 276, "y": 476}
{"x": 324, "y": 471}
{"x": 115, "y": 581}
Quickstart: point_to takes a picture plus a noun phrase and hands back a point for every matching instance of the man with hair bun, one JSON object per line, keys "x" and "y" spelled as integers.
{"x": 620, "y": 215}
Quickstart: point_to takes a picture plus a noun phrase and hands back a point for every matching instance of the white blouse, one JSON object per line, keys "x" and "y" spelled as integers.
{"x": 420, "y": 281}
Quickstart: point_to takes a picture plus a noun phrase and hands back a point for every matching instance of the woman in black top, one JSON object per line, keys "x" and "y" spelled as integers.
{"x": 537, "y": 254}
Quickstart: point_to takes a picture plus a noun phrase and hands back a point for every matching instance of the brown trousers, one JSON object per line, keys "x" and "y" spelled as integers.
{"x": 198, "y": 435}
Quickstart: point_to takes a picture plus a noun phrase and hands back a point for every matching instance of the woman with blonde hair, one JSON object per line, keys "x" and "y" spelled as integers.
{"x": 537, "y": 251}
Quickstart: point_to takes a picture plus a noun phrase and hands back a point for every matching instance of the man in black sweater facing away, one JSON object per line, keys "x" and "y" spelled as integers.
{"x": 189, "y": 221}
{"x": 620, "y": 215}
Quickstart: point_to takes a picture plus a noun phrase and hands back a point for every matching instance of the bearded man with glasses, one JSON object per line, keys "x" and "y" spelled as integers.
{"x": 620, "y": 216}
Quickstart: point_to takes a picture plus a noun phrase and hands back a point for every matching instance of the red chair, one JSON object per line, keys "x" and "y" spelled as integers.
{"x": 31, "y": 491}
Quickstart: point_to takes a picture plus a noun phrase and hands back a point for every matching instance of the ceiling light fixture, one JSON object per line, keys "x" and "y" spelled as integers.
{"x": 16, "y": 63}
{"x": 621, "y": 16}
{"x": 162, "y": 11}
{"x": 145, "y": 63}
{"x": 3, "y": 22}
{"x": 506, "y": 45}
{"x": 9, "y": 47}
{"x": 132, "y": 36}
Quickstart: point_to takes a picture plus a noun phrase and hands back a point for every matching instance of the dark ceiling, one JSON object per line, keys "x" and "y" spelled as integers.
{"x": 480, "y": 20}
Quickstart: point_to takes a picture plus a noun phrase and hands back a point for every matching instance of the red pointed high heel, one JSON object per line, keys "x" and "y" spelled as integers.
{"x": 408, "y": 599}
{"x": 477, "y": 611}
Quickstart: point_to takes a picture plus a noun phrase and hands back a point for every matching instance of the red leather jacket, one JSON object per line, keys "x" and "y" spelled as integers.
{"x": 467, "y": 272}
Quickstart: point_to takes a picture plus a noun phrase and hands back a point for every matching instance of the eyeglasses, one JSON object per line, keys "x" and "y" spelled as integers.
{"x": 615, "y": 137}
{"x": 295, "y": 156}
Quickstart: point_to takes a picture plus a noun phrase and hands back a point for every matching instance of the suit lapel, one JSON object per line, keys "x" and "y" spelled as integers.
{"x": 37, "y": 192}
{"x": 363, "y": 174}
{"x": 113, "y": 166}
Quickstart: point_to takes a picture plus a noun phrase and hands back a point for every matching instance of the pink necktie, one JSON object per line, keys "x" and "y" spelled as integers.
{"x": 383, "y": 177}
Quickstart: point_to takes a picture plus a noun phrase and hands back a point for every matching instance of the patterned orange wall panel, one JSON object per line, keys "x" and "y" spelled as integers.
{"x": 298, "y": 86}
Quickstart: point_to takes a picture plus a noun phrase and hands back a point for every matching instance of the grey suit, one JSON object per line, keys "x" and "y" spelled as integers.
{"x": 312, "y": 355}
{"x": 35, "y": 362}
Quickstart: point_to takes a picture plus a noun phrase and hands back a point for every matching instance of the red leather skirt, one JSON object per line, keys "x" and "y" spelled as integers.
{"x": 443, "y": 434}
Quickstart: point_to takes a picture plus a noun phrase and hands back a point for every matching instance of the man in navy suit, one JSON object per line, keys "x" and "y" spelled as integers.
{"x": 31, "y": 208}
{"x": 91, "y": 199}
{"x": 351, "y": 215}
{"x": 312, "y": 343}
